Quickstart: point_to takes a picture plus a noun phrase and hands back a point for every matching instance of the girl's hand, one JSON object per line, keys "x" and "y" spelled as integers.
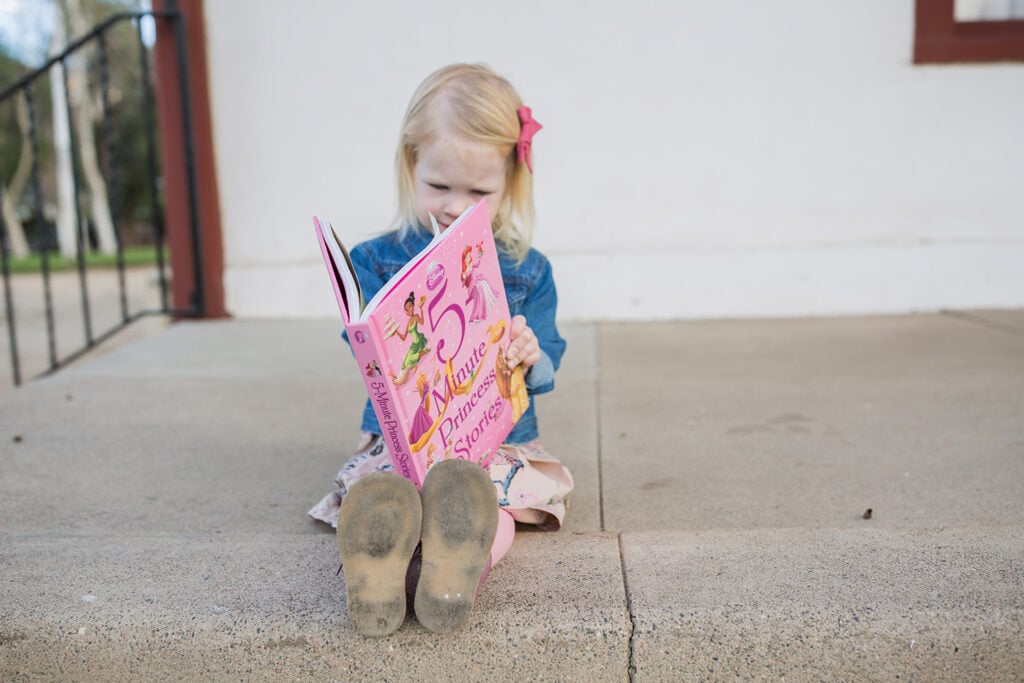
{"x": 524, "y": 349}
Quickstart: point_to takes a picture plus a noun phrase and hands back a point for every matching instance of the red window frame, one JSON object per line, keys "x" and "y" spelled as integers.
{"x": 939, "y": 38}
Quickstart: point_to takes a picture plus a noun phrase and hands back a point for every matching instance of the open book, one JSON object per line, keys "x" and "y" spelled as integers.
{"x": 431, "y": 346}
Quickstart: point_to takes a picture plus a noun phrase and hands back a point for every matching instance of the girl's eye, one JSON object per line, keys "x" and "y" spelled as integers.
{"x": 481, "y": 193}
{"x": 438, "y": 187}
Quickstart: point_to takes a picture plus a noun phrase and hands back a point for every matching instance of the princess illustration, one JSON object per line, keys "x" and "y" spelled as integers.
{"x": 421, "y": 421}
{"x": 511, "y": 385}
{"x": 418, "y": 347}
{"x": 481, "y": 296}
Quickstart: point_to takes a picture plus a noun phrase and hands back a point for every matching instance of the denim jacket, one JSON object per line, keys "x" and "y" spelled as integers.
{"x": 529, "y": 287}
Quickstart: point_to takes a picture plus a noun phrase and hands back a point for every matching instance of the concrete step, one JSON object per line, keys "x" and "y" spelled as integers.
{"x": 941, "y": 604}
{"x": 152, "y": 510}
{"x": 828, "y": 604}
{"x": 269, "y": 606}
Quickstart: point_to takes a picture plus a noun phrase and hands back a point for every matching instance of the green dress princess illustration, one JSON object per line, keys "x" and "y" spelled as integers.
{"x": 418, "y": 347}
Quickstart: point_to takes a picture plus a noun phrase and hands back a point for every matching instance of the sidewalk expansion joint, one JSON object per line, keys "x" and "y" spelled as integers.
{"x": 631, "y": 664}
{"x": 983, "y": 322}
{"x": 600, "y": 456}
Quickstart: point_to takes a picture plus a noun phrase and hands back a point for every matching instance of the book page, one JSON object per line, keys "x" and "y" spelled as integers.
{"x": 343, "y": 278}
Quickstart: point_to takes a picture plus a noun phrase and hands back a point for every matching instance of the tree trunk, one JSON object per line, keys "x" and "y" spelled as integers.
{"x": 85, "y": 117}
{"x": 66, "y": 215}
{"x": 14, "y": 228}
{"x": 12, "y": 192}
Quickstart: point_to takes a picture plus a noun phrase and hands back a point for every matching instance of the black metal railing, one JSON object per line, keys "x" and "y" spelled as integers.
{"x": 44, "y": 241}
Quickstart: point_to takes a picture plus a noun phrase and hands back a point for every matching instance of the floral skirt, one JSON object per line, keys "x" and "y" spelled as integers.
{"x": 528, "y": 482}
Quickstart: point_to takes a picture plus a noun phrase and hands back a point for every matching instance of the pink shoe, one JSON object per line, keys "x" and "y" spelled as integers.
{"x": 460, "y": 517}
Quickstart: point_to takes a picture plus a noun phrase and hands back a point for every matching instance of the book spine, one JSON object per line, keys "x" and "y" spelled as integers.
{"x": 369, "y": 352}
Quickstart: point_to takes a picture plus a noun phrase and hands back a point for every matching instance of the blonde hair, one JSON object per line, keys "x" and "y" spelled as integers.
{"x": 471, "y": 102}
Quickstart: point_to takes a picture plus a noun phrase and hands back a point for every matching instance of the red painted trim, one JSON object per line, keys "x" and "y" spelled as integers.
{"x": 175, "y": 170}
{"x": 940, "y": 38}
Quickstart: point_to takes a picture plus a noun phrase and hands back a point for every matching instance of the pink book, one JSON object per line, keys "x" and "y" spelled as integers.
{"x": 430, "y": 346}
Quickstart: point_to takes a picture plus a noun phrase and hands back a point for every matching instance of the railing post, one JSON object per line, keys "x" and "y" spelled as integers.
{"x": 109, "y": 171}
{"x": 5, "y": 268}
{"x": 152, "y": 186}
{"x": 81, "y": 228}
{"x": 186, "y": 137}
{"x": 45, "y": 242}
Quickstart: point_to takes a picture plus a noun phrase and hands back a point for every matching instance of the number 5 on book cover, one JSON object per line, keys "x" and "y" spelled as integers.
{"x": 431, "y": 344}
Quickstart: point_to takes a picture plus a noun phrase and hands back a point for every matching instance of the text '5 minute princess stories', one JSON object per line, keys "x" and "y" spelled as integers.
{"x": 431, "y": 346}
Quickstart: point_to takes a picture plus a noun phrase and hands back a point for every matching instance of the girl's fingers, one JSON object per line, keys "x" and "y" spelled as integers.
{"x": 524, "y": 348}
{"x": 517, "y": 327}
{"x": 527, "y": 353}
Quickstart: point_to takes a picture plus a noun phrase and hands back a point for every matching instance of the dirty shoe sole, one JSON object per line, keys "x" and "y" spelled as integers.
{"x": 378, "y": 529}
{"x": 460, "y": 517}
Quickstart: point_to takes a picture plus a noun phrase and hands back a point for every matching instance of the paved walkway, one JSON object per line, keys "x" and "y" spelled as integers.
{"x": 103, "y": 287}
{"x": 152, "y": 509}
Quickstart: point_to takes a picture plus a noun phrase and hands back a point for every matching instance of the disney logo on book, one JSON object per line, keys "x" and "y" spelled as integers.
{"x": 434, "y": 275}
{"x": 360, "y": 337}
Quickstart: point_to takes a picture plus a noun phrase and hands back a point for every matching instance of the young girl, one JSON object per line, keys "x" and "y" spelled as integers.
{"x": 466, "y": 137}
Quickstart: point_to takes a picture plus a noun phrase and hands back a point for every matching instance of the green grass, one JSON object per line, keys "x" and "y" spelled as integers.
{"x": 133, "y": 256}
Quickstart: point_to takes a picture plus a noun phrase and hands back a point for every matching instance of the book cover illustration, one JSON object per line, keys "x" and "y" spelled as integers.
{"x": 431, "y": 346}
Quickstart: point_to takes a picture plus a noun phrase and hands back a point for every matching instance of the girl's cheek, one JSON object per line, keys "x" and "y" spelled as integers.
{"x": 492, "y": 207}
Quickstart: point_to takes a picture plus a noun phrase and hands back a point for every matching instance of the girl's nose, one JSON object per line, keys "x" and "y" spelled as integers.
{"x": 455, "y": 205}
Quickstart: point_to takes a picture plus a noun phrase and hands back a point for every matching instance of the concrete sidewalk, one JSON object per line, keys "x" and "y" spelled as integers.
{"x": 152, "y": 510}
{"x": 28, "y": 297}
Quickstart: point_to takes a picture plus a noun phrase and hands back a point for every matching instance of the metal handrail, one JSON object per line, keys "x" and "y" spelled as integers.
{"x": 25, "y": 85}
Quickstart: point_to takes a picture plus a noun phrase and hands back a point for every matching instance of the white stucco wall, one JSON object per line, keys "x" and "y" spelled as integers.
{"x": 699, "y": 159}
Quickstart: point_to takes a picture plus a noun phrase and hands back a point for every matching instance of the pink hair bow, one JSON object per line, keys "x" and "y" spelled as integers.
{"x": 524, "y": 148}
